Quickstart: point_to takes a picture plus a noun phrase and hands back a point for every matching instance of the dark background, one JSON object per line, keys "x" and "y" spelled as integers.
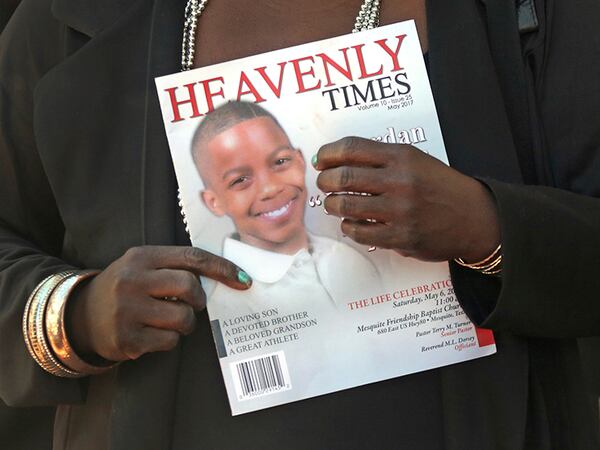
{"x": 6, "y": 9}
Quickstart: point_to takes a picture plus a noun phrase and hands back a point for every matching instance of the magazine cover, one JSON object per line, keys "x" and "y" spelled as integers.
{"x": 323, "y": 313}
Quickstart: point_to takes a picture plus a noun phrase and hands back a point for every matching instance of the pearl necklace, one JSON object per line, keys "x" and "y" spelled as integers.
{"x": 367, "y": 18}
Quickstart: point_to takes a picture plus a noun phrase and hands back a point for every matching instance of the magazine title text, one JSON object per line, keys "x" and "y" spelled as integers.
{"x": 320, "y": 71}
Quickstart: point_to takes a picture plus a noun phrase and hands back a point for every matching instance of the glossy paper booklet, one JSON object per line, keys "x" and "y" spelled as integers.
{"x": 323, "y": 313}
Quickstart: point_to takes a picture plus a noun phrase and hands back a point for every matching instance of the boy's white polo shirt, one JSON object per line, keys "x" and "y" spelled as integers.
{"x": 314, "y": 283}
{"x": 327, "y": 269}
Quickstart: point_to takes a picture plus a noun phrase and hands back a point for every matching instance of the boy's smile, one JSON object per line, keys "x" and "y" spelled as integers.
{"x": 279, "y": 214}
{"x": 254, "y": 175}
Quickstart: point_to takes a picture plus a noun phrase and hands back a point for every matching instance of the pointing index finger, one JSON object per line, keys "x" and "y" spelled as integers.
{"x": 201, "y": 263}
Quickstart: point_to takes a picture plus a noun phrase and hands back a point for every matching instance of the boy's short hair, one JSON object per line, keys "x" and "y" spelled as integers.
{"x": 223, "y": 118}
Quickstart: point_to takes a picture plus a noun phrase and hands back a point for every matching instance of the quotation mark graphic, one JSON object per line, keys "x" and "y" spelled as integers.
{"x": 315, "y": 201}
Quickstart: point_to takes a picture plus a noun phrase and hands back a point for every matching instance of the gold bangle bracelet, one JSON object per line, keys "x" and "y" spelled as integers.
{"x": 55, "y": 326}
{"x": 25, "y": 321}
{"x": 35, "y": 333}
{"x": 491, "y": 265}
{"x": 31, "y": 319}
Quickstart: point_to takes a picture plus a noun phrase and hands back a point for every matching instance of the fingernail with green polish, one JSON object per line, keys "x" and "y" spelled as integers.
{"x": 314, "y": 160}
{"x": 244, "y": 278}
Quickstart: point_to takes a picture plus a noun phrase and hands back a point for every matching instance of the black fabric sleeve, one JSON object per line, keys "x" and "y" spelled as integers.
{"x": 550, "y": 285}
{"x": 31, "y": 230}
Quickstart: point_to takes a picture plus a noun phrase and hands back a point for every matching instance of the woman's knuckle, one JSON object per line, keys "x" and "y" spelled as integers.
{"x": 190, "y": 283}
{"x": 324, "y": 149}
{"x": 134, "y": 254}
{"x": 349, "y": 143}
{"x": 130, "y": 253}
{"x": 183, "y": 318}
{"x": 352, "y": 145}
{"x": 342, "y": 206}
{"x": 345, "y": 178}
{"x": 347, "y": 206}
{"x": 224, "y": 267}
{"x": 192, "y": 256}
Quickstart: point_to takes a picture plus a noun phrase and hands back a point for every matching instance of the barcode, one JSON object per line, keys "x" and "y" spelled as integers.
{"x": 260, "y": 376}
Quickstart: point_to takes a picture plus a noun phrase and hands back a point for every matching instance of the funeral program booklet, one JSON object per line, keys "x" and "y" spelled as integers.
{"x": 323, "y": 313}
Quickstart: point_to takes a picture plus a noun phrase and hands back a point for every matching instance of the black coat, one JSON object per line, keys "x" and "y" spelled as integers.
{"x": 85, "y": 174}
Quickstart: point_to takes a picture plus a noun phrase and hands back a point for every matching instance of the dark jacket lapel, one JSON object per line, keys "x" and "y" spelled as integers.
{"x": 123, "y": 183}
{"x": 159, "y": 188}
{"x": 89, "y": 16}
{"x": 81, "y": 132}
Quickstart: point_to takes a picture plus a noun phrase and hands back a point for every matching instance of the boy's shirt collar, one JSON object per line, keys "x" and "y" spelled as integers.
{"x": 261, "y": 265}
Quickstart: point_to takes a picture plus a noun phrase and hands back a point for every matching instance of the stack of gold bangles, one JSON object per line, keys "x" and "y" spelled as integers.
{"x": 44, "y": 326}
{"x": 492, "y": 265}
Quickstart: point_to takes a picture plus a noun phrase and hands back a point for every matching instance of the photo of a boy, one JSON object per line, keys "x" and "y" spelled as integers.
{"x": 253, "y": 174}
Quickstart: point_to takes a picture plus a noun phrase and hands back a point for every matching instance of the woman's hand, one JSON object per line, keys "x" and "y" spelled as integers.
{"x": 422, "y": 208}
{"x": 121, "y": 313}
